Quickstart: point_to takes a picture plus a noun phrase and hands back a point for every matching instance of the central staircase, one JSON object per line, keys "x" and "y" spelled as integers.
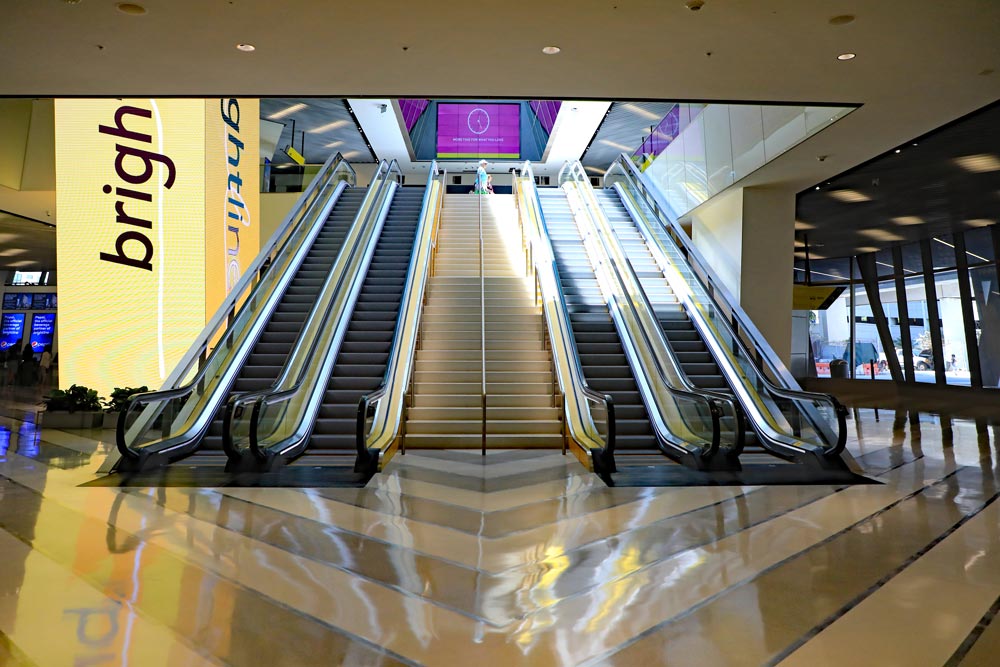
{"x": 522, "y": 408}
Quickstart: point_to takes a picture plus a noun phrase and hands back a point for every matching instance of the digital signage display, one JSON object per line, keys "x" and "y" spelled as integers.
{"x": 11, "y": 330}
{"x": 17, "y": 301}
{"x": 158, "y": 213}
{"x": 43, "y": 328}
{"x": 473, "y": 130}
{"x": 43, "y": 301}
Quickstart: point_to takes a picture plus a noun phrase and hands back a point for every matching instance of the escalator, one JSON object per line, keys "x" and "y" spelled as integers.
{"x": 279, "y": 335}
{"x": 719, "y": 348}
{"x": 687, "y": 344}
{"x": 601, "y": 355}
{"x": 361, "y": 363}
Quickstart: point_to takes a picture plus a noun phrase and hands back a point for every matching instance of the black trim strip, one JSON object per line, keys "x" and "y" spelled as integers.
{"x": 830, "y": 620}
{"x": 712, "y": 598}
{"x": 963, "y": 649}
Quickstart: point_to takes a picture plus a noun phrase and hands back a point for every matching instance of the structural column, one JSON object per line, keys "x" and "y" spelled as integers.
{"x": 748, "y": 236}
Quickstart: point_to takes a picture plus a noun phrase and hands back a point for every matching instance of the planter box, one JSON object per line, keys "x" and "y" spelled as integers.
{"x": 111, "y": 420}
{"x": 72, "y": 420}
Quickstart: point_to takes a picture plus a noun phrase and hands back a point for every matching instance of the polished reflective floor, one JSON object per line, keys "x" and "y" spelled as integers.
{"x": 518, "y": 558}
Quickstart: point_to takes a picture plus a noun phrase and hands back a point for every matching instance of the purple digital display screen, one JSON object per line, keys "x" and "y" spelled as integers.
{"x": 479, "y": 131}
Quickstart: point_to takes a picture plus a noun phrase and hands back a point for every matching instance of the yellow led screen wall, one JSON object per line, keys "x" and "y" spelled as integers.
{"x": 232, "y": 194}
{"x": 139, "y": 202}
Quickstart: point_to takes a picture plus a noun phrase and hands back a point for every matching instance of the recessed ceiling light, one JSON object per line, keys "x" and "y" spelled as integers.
{"x": 287, "y": 111}
{"x": 979, "y": 164}
{"x": 551, "y": 50}
{"x": 866, "y": 249}
{"x": 799, "y": 225}
{"x": 899, "y": 150}
{"x": 329, "y": 126}
{"x": 880, "y": 235}
{"x": 849, "y": 196}
{"x": 246, "y": 48}
{"x": 847, "y": 56}
{"x": 978, "y": 222}
{"x": 908, "y": 220}
{"x": 131, "y": 8}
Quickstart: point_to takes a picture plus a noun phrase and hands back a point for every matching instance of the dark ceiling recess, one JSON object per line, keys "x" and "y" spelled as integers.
{"x": 945, "y": 181}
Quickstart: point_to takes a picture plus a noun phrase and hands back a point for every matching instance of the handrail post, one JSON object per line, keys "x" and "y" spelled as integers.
{"x": 482, "y": 316}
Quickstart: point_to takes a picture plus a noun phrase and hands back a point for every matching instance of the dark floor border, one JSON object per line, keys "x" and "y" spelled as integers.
{"x": 597, "y": 659}
{"x": 880, "y": 583}
{"x": 750, "y": 475}
{"x": 963, "y": 649}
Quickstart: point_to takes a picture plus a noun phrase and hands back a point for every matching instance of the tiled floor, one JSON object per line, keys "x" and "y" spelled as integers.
{"x": 520, "y": 558}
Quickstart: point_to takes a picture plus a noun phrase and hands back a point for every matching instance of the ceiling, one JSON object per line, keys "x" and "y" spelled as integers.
{"x": 323, "y": 126}
{"x": 623, "y": 129}
{"x": 26, "y": 245}
{"x": 920, "y": 63}
{"x": 945, "y": 181}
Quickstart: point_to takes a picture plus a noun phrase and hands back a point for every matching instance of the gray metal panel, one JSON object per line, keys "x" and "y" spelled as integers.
{"x": 622, "y": 130}
{"x": 318, "y": 112}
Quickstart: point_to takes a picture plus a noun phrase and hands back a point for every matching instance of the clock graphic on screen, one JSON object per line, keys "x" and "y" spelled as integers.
{"x": 479, "y": 120}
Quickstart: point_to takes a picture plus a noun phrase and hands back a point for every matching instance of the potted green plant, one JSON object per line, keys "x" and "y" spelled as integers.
{"x": 76, "y": 407}
{"x": 118, "y": 403}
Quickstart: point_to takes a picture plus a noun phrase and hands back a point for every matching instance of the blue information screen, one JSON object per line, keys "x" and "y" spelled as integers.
{"x": 43, "y": 327}
{"x": 11, "y": 330}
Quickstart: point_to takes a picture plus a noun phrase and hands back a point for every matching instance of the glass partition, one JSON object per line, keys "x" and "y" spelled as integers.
{"x": 698, "y": 150}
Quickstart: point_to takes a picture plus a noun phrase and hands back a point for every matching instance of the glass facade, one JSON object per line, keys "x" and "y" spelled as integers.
{"x": 923, "y": 312}
{"x": 698, "y": 150}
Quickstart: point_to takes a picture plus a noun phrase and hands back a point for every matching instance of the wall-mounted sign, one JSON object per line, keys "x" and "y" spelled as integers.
{"x": 11, "y": 330}
{"x": 814, "y": 297}
{"x": 43, "y": 331}
{"x": 157, "y": 214}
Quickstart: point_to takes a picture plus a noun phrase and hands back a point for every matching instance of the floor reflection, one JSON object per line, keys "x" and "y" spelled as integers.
{"x": 443, "y": 560}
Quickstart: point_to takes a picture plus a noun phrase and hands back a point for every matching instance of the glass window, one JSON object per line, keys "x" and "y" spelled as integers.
{"x": 943, "y": 252}
{"x": 27, "y": 278}
{"x": 956, "y": 357}
{"x": 986, "y": 296}
{"x": 920, "y": 335}
{"x": 979, "y": 246}
{"x": 830, "y": 333}
{"x": 830, "y": 270}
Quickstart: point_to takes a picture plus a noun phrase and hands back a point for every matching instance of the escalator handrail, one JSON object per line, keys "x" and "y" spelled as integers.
{"x": 563, "y": 327}
{"x": 715, "y": 292}
{"x": 254, "y": 279}
{"x": 372, "y": 445}
{"x": 365, "y": 241}
{"x": 711, "y": 401}
{"x": 277, "y": 241}
{"x": 240, "y": 403}
{"x": 576, "y": 171}
{"x": 715, "y": 288}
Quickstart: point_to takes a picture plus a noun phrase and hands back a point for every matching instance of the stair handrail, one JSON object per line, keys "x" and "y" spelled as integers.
{"x": 736, "y": 321}
{"x": 671, "y": 443}
{"x": 376, "y": 445}
{"x": 482, "y": 316}
{"x": 321, "y": 336}
{"x": 569, "y": 374}
{"x": 231, "y": 332}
